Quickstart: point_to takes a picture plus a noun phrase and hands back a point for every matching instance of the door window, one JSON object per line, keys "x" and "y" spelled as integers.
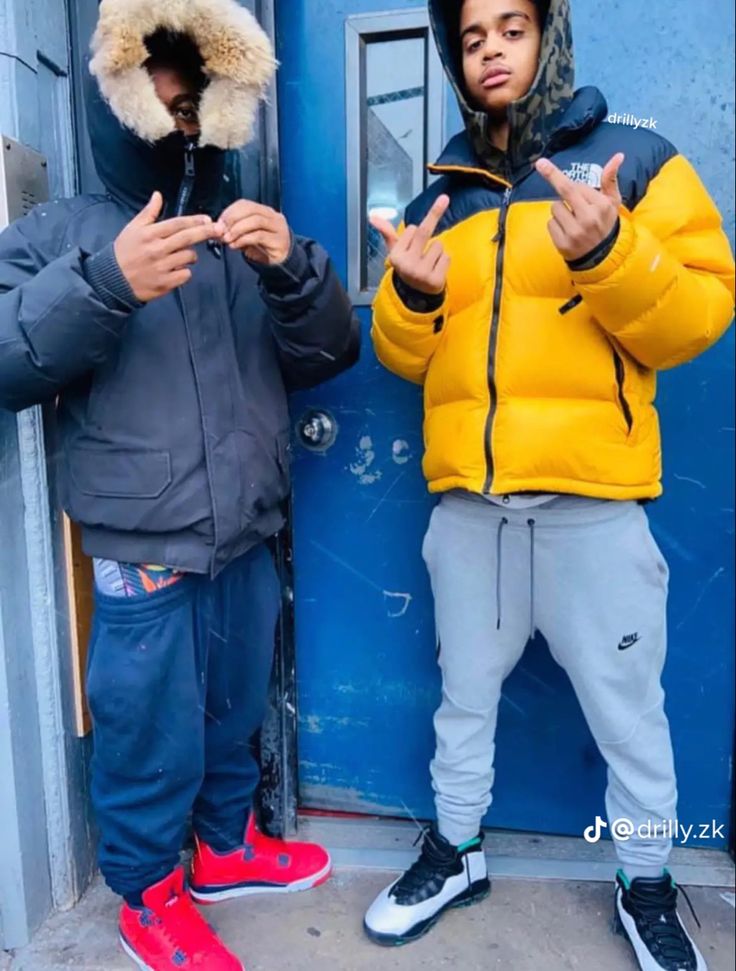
{"x": 395, "y": 108}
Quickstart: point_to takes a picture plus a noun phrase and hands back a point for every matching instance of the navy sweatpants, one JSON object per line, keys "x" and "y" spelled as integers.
{"x": 177, "y": 683}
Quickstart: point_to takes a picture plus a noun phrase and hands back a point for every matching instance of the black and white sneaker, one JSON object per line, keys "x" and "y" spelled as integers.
{"x": 444, "y": 876}
{"x": 646, "y": 913}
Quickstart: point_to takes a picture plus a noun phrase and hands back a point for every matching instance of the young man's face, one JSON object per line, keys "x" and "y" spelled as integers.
{"x": 501, "y": 41}
{"x": 179, "y": 97}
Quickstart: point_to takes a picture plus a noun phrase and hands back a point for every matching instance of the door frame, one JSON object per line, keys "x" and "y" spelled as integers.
{"x": 279, "y": 789}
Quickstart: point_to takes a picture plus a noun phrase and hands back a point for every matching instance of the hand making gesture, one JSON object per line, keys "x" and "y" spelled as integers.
{"x": 584, "y": 217}
{"x": 261, "y": 233}
{"x": 421, "y": 263}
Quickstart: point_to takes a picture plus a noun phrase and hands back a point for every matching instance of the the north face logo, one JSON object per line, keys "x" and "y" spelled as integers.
{"x": 586, "y": 172}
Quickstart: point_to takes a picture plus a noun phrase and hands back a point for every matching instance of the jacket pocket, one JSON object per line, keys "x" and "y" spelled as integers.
{"x": 620, "y": 369}
{"x": 117, "y": 473}
{"x": 119, "y": 489}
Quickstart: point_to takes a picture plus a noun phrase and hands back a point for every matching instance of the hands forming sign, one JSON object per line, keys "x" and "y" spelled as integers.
{"x": 421, "y": 263}
{"x": 155, "y": 257}
{"x": 584, "y": 217}
{"x": 259, "y": 232}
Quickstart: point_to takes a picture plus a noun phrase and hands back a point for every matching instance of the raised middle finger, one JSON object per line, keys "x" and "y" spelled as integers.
{"x": 570, "y": 192}
{"x": 426, "y": 229}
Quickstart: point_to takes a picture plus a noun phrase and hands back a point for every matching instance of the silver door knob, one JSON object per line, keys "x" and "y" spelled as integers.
{"x": 317, "y": 430}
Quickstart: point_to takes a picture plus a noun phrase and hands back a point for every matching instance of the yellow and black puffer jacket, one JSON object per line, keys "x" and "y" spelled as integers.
{"x": 539, "y": 377}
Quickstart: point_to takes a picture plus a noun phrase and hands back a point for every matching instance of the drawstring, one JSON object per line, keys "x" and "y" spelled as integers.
{"x": 501, "y": 526}
{"x": 532, "y": 537}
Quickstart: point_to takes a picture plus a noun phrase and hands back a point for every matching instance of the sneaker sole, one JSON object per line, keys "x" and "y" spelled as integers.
{"x": 232, "y": 893}
{"x": 133, "y": 956}
{"x": 140, "y": 963}
{"x": 473, "y": 895}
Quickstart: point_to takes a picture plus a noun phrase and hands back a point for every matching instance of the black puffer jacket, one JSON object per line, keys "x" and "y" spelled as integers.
{"x": 173, "y": 416}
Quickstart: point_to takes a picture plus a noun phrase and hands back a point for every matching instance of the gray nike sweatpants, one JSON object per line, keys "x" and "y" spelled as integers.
{"x": 589, "y": 576}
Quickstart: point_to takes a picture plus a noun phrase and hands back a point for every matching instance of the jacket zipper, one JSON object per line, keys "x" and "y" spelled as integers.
{"x": 499, "y": 238}
{"x": 187, "y": 183}
{"x": 620, "y": 378}
{"x": 206, "y": 436}
{"x": 187, "y": 188}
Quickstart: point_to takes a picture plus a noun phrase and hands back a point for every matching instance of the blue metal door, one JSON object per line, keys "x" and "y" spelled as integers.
{"x": 352, "y": 100}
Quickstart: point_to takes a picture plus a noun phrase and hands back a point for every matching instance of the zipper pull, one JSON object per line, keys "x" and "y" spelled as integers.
{"x": 187, "y": 183}
{"x": 498, "y": 238}
{"x": 189, "y": 169}
{"x": 571, "y": 304}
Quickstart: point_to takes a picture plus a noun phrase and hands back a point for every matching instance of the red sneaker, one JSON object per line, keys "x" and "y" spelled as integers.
{"x": 169, "y": 933}
{"x": 260, "y": 865}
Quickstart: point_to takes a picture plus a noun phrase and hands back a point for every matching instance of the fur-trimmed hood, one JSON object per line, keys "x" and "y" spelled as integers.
{"x": 238, "y": 61}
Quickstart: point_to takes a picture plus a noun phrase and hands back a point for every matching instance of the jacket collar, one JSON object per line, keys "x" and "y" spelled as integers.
{"x": 585, "y": 112}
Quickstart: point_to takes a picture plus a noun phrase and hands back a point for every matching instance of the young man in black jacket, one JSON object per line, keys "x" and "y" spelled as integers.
{"x": 170, "y": 322}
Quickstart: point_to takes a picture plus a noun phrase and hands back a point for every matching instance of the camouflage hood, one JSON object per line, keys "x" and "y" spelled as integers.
{"x": 533, "y": 118}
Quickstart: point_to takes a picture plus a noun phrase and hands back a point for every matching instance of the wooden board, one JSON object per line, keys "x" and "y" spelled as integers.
{"x": 80, "y": 586}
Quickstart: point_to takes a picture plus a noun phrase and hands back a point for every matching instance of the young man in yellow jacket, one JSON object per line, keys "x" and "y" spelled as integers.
{"x": 541, "y": 282}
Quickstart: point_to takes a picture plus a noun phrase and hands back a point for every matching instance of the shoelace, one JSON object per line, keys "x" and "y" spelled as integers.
{"x": 659, "y": 914}
{"x": 433, "y": 859}
{"x": 182, "y": 913}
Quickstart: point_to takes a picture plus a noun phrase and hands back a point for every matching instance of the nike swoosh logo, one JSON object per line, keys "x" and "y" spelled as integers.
{"x": 625, "y": 647}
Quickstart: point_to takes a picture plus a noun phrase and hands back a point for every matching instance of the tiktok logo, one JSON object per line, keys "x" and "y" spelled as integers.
{"x": 593, "y": 833}
{"x": 622, "y": 829}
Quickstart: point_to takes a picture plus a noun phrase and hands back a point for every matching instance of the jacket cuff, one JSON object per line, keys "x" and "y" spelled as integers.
{"x": 102, "y": 272}
{"x": 415, "y": 300}
{"x": 596, "y": 256}
{"x": 289, "y": 275}
{"x": 624, "y": 249}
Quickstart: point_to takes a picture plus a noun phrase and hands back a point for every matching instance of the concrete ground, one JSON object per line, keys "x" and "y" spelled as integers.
{"x": 525, "y": 926}
{"x": 551, "y": 908}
